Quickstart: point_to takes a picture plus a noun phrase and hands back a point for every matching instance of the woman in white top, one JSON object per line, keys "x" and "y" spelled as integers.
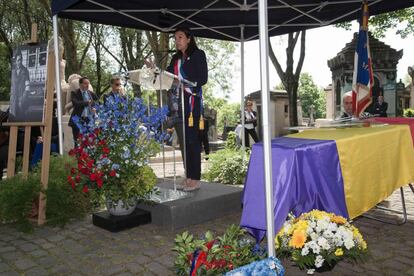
{"x": 250, "y": 123}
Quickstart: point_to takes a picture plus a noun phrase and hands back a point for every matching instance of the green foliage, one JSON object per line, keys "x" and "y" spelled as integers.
{"x": 63, "y": 203}
{"x": 220, "y": 63}
{"x": 402, "y": 21}
{"x": 227, "y": 166}
{"x": 218, "y": 255}
{"x": 228, "y": 115}
{"x": 17, "y": 197}
{"x": 5, "y": 73}
{"x": 310, "y": 94}
{"x": 231, "y": 142}
{"x": 409, "y": 112}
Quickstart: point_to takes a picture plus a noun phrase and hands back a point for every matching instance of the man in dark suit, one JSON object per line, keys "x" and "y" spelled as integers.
{"x": 83, "y": 102}
{"x": 380, "y": 107}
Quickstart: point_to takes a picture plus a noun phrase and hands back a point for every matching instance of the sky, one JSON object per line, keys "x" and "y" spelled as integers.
{"x": 322, "y": 44}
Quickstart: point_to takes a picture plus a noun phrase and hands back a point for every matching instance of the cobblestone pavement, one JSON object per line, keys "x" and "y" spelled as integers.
{"x": 83, "y": 249}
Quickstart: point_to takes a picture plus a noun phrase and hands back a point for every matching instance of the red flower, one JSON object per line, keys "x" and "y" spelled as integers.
{"x": 99, "y": 182}
{"x": 72, "y": 152}
{"x": 72, "y": 170}
{"x": 96, "y": 131}
{"x": 92, "y": 177}
{"x": 112, "y": 173}
{"x": 102, "y": 142}
{"x": 77, "y": 179}
{"x": 230, "y": 266}
{"x": 90, "y": 164}
{"x": 85, "y": 189}
{"x": 210, "y": 244}
{"x": 105, "y": 150}
{"x": 70, "y": 178}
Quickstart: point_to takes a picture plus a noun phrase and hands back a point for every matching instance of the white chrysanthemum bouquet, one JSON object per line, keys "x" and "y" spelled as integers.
{"x": 317, "y": 240}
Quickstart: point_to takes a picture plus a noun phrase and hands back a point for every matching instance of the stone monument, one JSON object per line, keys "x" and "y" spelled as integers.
{"x": 384, "y": 64}
{"x": 410, "y": 87}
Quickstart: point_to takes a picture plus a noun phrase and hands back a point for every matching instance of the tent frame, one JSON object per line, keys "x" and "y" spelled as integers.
{"x": 262, "y": 8}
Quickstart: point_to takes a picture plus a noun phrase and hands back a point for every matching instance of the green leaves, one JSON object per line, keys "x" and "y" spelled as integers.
{"x": 227, "y": 166}
{"x": 311, "y": 95}
{"x": 223, "y": 253}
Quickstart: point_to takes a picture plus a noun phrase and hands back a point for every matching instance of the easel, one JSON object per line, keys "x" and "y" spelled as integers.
{"x": 47, "y": 132}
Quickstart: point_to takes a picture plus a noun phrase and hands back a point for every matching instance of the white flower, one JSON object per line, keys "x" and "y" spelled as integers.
{"x": 312, "y": 224}
{"x": 323, "y": 243}
{"x": 311, "y": 271}
{"x": 322, "y": 225}
{"x": 328, "y": 234}
{"x": 314, "y": 236}
{"x": 305, "y": 251}
{"x": 332, "y": 227}
{"x": 349, "y": 243}
{"x": 287, "y": 227}
{"x": 314, "y": 246}
{"x": 319, "y": 261}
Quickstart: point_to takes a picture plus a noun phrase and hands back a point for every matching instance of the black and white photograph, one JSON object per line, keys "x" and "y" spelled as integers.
{"x": 28, "y": 83}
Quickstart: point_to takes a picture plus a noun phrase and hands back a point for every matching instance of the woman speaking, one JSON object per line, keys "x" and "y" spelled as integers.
{"x": 188, "y": 63}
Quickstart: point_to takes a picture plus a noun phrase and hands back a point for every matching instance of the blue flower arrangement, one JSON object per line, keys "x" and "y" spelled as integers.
{"x": 114, "y": 147}
{"x": 267, "y": 267}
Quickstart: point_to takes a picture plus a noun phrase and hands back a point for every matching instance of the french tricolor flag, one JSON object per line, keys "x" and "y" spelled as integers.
{"x": 363, "y": 79}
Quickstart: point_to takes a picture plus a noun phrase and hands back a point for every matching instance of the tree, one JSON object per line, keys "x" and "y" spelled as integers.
{"x": 310, "y": 94}
{"x": 402, "y": 21}
{"x": 290, "y": 77}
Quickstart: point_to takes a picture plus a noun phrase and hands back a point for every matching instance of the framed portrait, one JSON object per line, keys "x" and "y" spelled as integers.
{"x": 28, "y": 83}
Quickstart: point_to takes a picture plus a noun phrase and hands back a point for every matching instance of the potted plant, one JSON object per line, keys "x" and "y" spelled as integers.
{"x": 112, "y": 153}
{"x": 215, "y": 255}
{"x": 318, "y": 240}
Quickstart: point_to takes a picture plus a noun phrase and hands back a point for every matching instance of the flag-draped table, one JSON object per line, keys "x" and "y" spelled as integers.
{"x": 395, "y": 121}
{"x": 346, "y": 171}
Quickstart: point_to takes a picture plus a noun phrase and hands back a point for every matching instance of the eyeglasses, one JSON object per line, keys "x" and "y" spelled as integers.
{"x": 117, "y": 84}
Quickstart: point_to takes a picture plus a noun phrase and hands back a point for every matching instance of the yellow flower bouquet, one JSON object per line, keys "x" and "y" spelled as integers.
{"x": 317, "y": 240}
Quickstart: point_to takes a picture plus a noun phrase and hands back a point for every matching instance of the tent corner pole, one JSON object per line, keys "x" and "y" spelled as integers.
{"x": 243, "y": 138}
{"x": 264, "y": 81}
{"x": 57, "y": 80}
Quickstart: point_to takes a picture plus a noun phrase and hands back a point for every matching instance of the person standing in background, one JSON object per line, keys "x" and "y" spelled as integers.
{"x": 83, "y": 102}
{"x": 250, "y": 123}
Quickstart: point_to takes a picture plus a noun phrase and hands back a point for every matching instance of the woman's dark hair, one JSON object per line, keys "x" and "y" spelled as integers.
{"x": 192, "y": 46}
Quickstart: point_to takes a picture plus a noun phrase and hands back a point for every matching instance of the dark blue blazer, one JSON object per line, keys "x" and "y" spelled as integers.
{"x": 194, "y": 69}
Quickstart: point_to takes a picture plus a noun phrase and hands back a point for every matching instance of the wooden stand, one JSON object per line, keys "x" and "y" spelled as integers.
{"x": 47, "y": 133}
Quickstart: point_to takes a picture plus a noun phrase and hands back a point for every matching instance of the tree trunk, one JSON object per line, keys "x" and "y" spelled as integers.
{"x": 289, "y": 77}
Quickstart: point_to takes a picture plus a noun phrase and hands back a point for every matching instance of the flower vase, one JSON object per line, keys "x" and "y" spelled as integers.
{"x": 120, "y": 208}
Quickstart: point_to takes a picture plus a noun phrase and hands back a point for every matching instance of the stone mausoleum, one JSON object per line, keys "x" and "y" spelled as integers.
{"x": 384, "y": 63}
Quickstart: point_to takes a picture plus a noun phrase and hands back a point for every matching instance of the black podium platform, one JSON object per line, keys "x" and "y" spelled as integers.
{"x": 212, "y": 201}
{"x": 118, "y": 223}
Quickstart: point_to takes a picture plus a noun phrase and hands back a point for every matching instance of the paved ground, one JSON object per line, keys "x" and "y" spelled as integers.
{"x": 82, "y": 249}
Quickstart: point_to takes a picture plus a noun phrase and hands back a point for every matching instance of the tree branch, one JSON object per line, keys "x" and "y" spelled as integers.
{"x": 113, "y": 56}
{"x": 276, "y": 63}
{"x": 85, "y": 51}
{"x": 302, "y": 54}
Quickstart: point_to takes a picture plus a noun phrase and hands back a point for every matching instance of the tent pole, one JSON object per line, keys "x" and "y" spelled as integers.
{"x": 242, "y": 89}
{"x": 57, "y": 85}
{"x": 264, "y": 81}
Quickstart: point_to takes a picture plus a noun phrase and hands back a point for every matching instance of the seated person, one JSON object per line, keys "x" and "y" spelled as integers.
{"x": 380, "y": 107}
{"x": 37, "y": 141}
{"x": 347, "y": 105}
